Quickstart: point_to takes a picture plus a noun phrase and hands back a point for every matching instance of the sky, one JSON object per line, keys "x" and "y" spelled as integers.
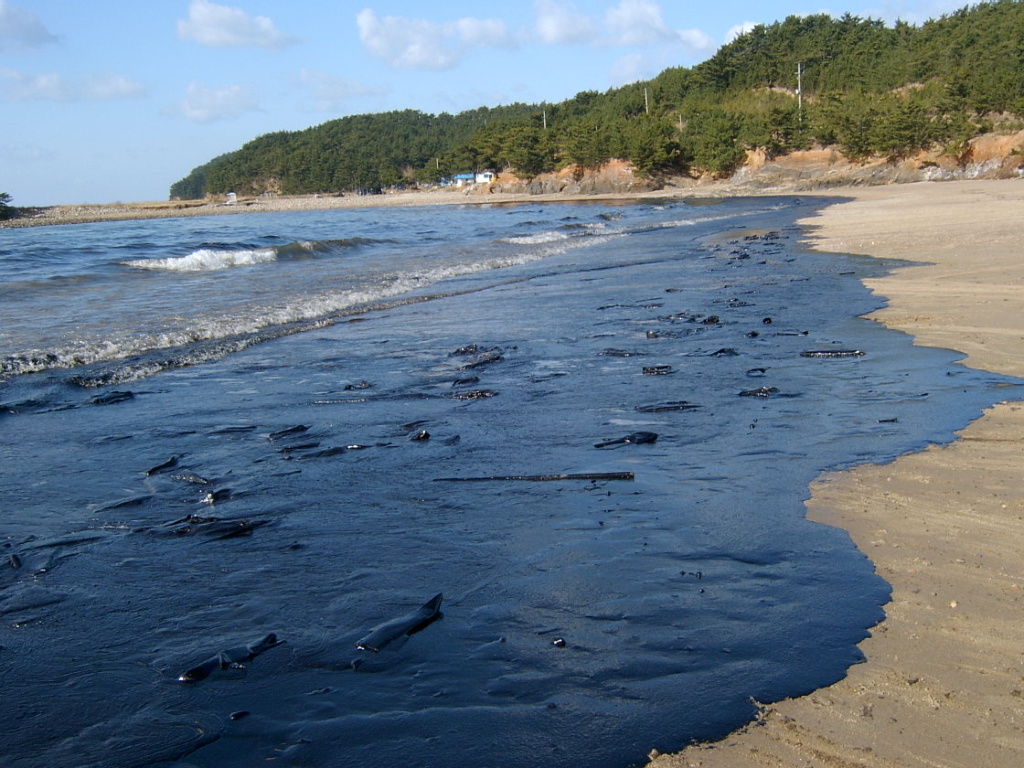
{"x": 106, "y": 101}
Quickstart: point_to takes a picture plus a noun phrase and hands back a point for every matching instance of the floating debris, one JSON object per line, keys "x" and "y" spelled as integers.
{"x": 232, "y": 658}
{"x": 636, "y": 438}
{"x": 760, "y": 392}
{"x": 409, "y": 624}
{"x": 827, "y": 353}
{"x": 540, "y": 478}
{"x": 676, "y": 405}
{"x": 169, "y": 464}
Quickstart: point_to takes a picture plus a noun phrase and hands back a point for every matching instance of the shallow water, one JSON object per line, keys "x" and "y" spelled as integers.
{"x": 371, "y": 412}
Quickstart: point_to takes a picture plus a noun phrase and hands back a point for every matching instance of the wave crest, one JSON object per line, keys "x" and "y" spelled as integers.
{"x": 213, "y": 259}
{"x": 207, "y": 260}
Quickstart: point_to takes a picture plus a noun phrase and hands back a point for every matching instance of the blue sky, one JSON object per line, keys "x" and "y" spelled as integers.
{"x": 107, "y": 100}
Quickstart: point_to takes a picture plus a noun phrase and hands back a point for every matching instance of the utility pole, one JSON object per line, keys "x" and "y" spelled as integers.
{"x": 647, "y": 104}
{"x": 800, "y": 92}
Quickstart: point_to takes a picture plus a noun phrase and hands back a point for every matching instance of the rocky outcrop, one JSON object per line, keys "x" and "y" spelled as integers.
{"x": 990, "y": 156}
{"x": 614, "y": 177}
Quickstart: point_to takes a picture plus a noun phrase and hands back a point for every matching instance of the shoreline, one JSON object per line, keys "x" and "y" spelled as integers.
{"x": 943, "y": 680}
{"x": 59, "y": 215}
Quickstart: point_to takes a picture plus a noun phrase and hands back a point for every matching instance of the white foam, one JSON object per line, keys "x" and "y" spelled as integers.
{"x": 242, "y": 324}
{"x": 540, "y": 238}
{"x": 207, "y": 260}
{"x": 556, "y": 236}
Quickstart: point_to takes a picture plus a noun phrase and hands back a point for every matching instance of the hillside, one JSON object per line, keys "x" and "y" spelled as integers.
{"x": 866, "y": 90}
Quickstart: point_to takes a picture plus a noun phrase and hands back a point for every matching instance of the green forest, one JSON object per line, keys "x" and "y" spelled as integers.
{"x": 868, "y": 89}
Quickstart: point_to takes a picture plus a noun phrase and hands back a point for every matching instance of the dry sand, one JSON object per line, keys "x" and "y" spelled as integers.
{"x": 943, "y": 684}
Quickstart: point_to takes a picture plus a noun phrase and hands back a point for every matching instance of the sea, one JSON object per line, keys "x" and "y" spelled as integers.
{"x": 242, "y": 454}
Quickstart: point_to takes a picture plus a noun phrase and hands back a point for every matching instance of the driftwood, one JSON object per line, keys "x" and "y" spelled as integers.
{"x": 408, "y": 624}
{"x": 829, "y": 353}
{"x": 677, "y": 405}
{"x": 232, "y": 658}
{"x": 636, "y": 438}
{"x": 540, "y": 478}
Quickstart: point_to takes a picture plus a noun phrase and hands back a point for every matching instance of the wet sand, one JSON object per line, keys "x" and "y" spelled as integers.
{"x": 943, "y": 684}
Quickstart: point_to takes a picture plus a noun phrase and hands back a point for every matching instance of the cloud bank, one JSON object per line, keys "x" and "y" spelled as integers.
{"x": 50, "y": 86}
{"x": 562, "y": 24}
{"x": 405, "y": 43}
{"x": 21, "y": 30}
{"x": 205, "y": 105}
{"x": 738, "y": 30}
{"x": 629, "y": 24}
{"x": 421, "y": 44}
{"x": 221, "y": 26}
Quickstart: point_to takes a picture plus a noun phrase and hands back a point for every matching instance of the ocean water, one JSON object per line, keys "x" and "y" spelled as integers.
{"x": 590, "y": 427}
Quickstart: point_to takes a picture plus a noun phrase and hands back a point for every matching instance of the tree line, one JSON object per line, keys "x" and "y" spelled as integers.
{"x": 867, "y": 88}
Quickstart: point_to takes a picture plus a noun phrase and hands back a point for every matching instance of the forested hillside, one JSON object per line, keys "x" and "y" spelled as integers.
{"x": 865, "y": 87}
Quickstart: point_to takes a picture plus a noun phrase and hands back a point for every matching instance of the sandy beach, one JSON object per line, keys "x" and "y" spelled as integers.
{"x": 943, "y": 684}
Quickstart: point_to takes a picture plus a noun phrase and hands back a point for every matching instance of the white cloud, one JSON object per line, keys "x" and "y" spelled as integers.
{"x": 559, "y": 23}
{"x": 478, "y": 32}
{"x": 910, "y": 11}
{"x": 329, "y": 91}
{"x": 204, "y": 105}
{"x": 629, "y": 24}
{"x": 739, "y": 29}
{"x": 637, "y": 22}
{"x": 405, "y": 43}
{"x": 696, "y": 41}
{"x": 221, "y": 26}
{"x": 50, "y": 86}
{"x": 110, "y": 86}
{"x": 21, "y": 30}
{"x": 19, "y": 86}
{"x": 629, "y": 69}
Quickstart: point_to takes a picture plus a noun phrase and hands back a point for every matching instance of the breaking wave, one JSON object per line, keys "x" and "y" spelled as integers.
{"x": 129, "y": 356}
{"x": 206, "y": 260}
{"x": 213, "y": 259}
